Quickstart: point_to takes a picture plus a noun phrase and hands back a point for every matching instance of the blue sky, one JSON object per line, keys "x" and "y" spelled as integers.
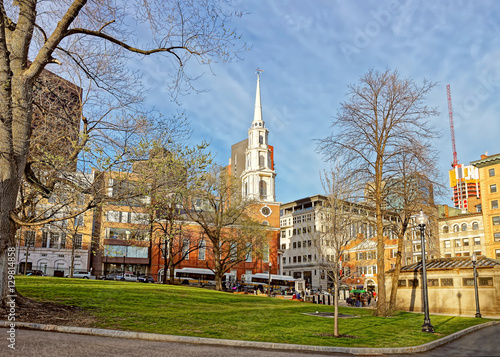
{"x": 310, "y": 51}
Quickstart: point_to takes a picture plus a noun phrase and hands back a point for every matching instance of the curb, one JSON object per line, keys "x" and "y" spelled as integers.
{"x": 253, "y": 344}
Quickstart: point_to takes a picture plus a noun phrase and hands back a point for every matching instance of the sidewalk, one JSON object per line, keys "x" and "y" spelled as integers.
{"x": 247, "y": 344}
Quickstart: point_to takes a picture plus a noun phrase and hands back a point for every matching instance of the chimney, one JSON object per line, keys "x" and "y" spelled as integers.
{"x": 446, "y": 210}
{"x": 485, "y": 155}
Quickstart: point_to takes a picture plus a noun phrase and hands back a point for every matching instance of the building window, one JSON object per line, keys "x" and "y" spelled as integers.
{"x": 77, "y": 241}
{"x": 494, "y": 204}
{"x": 402, "y": 283}
{"x": 201, "y": 250}
{"x": 468, "y": 281}
{"x": 263, "y": 189}
{"x": 447, "y": 282}
{"x": 299, "y": 259}
{"x": 491, "y": 172}
{"x": 29, "y": 238}
{"x": 466, "y": 242}
{"x": 185, "y": 248}
{"x": 457, "y": 243}
{"x": 432, "y": 282}
{"x": 496, "y": 220}
{"x": 413, "y": 283}
{"x": 477, "y": 241}
{"x": 455, "y": 228}
{"x": 497, "y": 253}
{"x": 445, "y": 229}
{"x": 265, "y": 254}
{"x": 295, "y": 259}
{"x": 493, "y": 188}
{"x": 464, "y": 227}
{"x": 79, "y": 220}
{"x": 496, "y": 235}
{"x": 447, "y": 244}
{"x": 475, "y": 226}
{"x": 54, "y": 240}
{"x": 486, "y": 281}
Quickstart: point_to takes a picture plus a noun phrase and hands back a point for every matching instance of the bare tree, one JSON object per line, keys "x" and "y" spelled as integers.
{"x": 383, "y": 116}
{"x": 224, "y": 216}
{"x": 410, "y": 190}
{"x": 95, "y": 39}
{"x": 172, "y": 172}
{"x": 337, "y": 218}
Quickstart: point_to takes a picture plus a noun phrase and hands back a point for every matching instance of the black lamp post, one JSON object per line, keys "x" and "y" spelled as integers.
{"x": 474, "y": 261}
{"x": 269, "y": 290}
{"x": 422, "y": 221}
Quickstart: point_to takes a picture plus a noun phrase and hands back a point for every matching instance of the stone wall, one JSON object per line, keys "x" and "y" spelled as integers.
{"x": 450, "y": 291}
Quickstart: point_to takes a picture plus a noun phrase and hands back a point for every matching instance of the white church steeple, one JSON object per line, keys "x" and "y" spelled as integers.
{"x": 258, "y": 176}
{"x": 257, "y": 116}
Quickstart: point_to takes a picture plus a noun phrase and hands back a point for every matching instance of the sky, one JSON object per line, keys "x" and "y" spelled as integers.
{"x": 311, "y": 51}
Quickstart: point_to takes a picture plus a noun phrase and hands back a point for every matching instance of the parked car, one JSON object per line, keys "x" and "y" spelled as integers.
{"x": 146, "y": 279}
{"x": 110, "y": 276}
{"x": 80, "y": 275}
{"x": 128, "y": 276}
{"x": 35, "y": 272}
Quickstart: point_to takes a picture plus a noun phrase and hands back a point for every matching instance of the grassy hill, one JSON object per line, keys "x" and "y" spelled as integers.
{"x": 188, "y": 311}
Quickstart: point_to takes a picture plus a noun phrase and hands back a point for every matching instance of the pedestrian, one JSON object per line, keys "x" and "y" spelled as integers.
{"x": 369, "y": 299}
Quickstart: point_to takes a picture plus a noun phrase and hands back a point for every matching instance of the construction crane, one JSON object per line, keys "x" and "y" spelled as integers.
{"x": 452, "y": 128}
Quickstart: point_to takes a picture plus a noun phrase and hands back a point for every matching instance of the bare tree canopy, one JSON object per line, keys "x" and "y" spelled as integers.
{"x": 337, "y": 218}
{"x": 225, "y": 218}
{"x": 91, "y": 42}
{"x": 384, "y": 117}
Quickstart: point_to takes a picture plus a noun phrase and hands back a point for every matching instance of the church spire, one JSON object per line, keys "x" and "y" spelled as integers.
{"x": 257, "y": 116}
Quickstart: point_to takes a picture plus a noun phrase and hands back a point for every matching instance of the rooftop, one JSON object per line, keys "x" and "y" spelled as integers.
{"x": 452, "y": 263}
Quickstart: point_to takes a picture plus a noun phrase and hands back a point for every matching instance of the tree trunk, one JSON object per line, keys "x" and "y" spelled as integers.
{"x": 73, "y": 258}
{"x": 26, "y": 258}
{"x": 336, "y": 302}
{"x": 8, "y": 195}
{"x": 171, "y": 268}
{"x": 381, "y": 304}
{"x": 395, "y": 275}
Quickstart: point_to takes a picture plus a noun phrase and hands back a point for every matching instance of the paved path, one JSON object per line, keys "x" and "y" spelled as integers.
{"x": 32, "y": 343}
{"x": 484, "y": 342}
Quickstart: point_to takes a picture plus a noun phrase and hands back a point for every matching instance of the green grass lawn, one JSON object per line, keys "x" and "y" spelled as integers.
{"x": 188, "y": 311}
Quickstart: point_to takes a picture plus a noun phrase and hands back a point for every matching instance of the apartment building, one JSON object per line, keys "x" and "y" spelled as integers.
{"x": 461, "y": 235}
{"x": 306, "y": 255}
{"x": 489, "y": 177}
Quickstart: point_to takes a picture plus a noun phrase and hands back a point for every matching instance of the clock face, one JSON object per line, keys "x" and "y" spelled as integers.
{"x": 266, "y": 211}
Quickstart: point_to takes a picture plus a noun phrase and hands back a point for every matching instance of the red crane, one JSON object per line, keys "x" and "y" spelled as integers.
{"x": 452, "y": 128}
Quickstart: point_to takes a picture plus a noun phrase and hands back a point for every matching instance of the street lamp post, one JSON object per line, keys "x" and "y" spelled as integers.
{"x": 422, "y": 221}
{"x": 269, "y": 290}
{"x": 474, "y": 261}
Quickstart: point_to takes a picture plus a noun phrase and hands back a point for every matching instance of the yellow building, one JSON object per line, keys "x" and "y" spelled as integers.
{"x": 489, "y": 176}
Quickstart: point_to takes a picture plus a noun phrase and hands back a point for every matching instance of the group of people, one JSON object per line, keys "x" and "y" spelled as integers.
{"x": 362, "y": 299}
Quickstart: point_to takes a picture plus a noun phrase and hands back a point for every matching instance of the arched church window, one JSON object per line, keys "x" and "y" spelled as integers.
{"x": 263, "y": 188}
{"x": 261, "y": 161}
{"x": 261, "y": 139}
